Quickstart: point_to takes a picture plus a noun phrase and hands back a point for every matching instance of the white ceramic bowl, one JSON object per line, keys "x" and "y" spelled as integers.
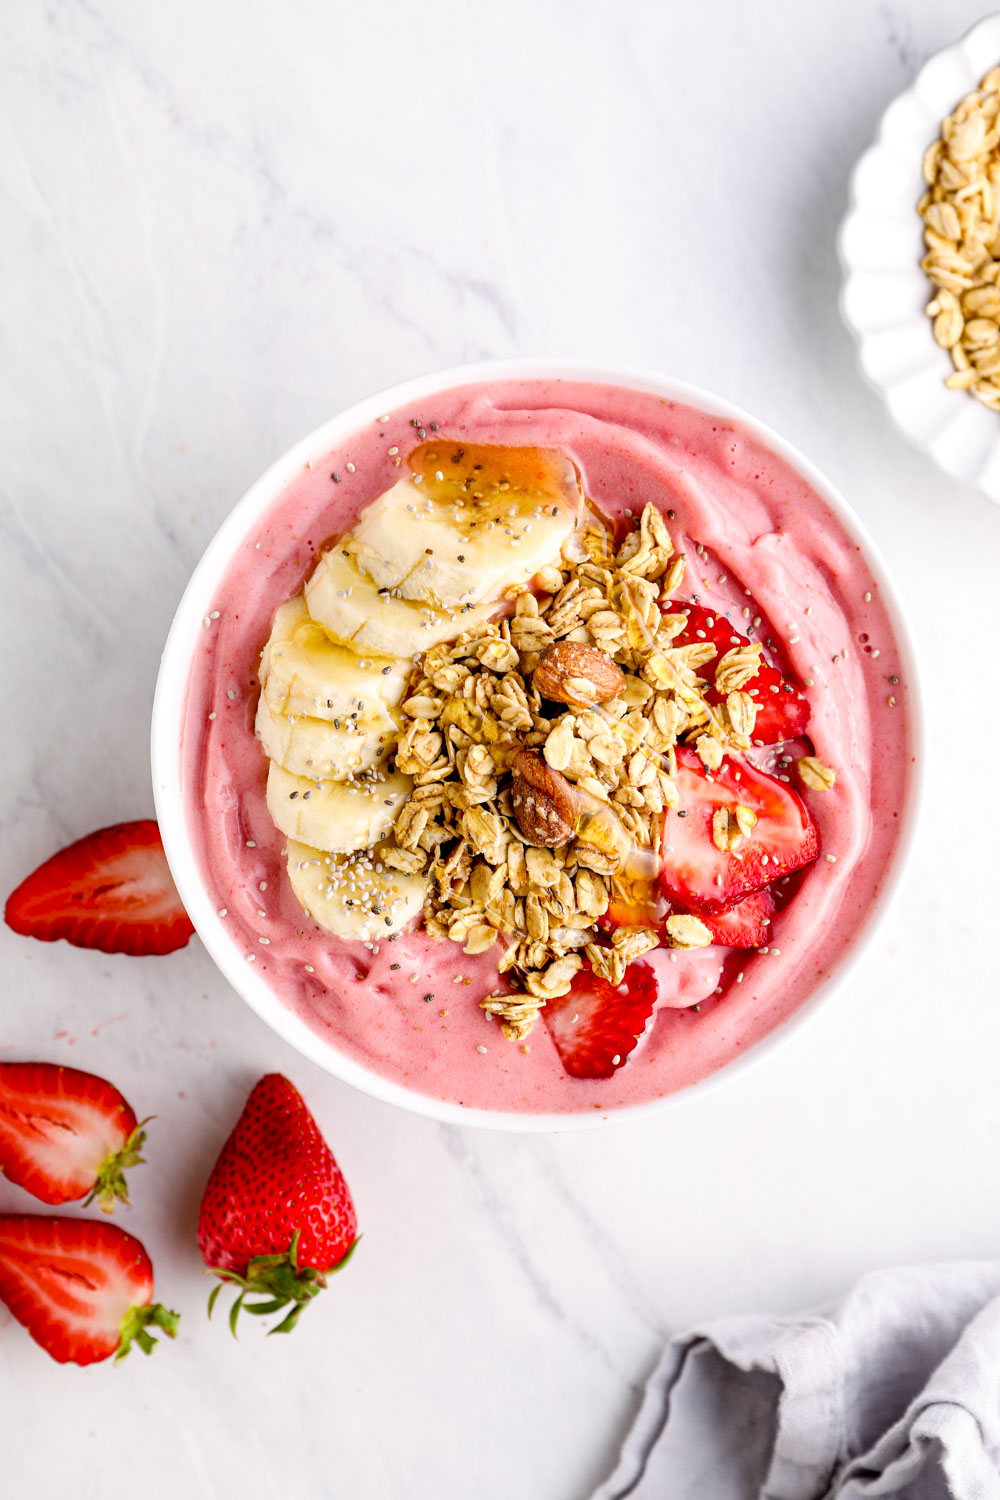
{"x": 884, "y": 290}
{"x": 184, "y": 638}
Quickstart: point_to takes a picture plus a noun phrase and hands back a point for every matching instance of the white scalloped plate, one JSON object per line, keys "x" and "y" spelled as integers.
{"x": 885, "y": 292}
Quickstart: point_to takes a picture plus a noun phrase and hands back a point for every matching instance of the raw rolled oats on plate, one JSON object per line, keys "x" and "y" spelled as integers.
{"x": 961, "y": 214}
{"x": 920, "y": 249}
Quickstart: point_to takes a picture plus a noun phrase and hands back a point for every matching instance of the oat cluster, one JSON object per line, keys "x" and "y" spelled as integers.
{"x": 474, "y": 706}
{"x": 814, "y": 774}
{"x": 961, "y": 214}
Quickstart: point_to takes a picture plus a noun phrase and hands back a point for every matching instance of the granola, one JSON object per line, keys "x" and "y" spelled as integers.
{"x": 815, "y": 775}
{"x": 495, "y": 764}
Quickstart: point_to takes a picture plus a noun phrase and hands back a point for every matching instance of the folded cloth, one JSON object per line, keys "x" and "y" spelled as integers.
{"x": 894, "y": 1392}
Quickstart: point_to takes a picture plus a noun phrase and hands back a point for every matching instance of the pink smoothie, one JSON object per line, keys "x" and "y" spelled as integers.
{"x": 756, "y": 535}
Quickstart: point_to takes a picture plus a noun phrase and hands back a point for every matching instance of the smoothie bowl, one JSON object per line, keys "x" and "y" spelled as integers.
{"x": 532, "y": 742}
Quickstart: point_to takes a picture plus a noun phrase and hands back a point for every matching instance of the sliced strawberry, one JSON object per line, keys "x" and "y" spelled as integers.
{"x": 83, "y": 1288}
{"x": 595, "y": 1028}
{"x": 111, "y": 890}
{"x": 782, "y": 710}
{"x": 704, "y": 879}
{"x": 745, "y": 926}
{"x": 64, "y": 1133}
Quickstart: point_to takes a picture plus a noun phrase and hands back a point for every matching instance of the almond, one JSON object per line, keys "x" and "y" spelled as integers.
{"x": 570, "y": 672}
{"x": 546, "y": 805}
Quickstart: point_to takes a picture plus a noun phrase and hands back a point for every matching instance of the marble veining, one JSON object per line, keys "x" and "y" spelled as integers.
{"x": 222, "y": 224}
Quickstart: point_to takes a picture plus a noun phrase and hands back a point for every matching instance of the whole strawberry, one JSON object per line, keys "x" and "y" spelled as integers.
{"x": 277, "y": 1215}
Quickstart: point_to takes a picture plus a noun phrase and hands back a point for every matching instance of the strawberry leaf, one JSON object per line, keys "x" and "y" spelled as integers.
{"x": 280, "y": 1281}
{"x": 137, "y": 1323}
{"x": 111, "y": 1186}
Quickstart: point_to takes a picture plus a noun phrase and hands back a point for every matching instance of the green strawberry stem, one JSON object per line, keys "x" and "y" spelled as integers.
{"x": 136, "y": 1323}
{"x": 280, "y": 1281}
{"x": 111, "y": 1186}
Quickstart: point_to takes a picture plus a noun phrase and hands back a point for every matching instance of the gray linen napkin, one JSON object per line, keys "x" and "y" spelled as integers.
{"x": 894, "y": 1392}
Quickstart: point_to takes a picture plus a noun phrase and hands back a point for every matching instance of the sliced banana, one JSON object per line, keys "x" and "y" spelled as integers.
{"x": 306, "y": 674}
{"x": 449, "y": 550}
{"x": 427, "y": 560}
{"x": 350, "y": 606}
{"x": 321, "y": 751}
{"x": 354, "y": 896}
{"x": 335, "y": 816}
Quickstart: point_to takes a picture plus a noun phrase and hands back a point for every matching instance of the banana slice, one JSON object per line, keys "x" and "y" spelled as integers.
{"x": 354, "y": 896}
{"x": 305, "y": 674}
{"x": 349, "y": 605}
{"x": 317, "y": 749}
{"x": 335, "y": 816}
{"x": 426, "y": 560}
{"x": 450, "y": 543}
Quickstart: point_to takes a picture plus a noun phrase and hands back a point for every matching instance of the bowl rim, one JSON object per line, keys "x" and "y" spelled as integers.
{"x": 988, "y": 27}
{"x": 171, "y": 695}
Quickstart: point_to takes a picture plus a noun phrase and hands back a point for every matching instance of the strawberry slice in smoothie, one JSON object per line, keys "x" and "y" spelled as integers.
{"x": 782, "y": 710}
{"x": 734, "y": 831}
{"x": 747, "y": 925}
{"x": 595, "y": 1027}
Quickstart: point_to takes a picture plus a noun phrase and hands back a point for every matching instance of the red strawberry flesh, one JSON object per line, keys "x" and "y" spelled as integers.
{"x": 747, "y": 925}
{"x": 782, "y": 709}
{"x": 703, "y": 879}
{"x": 111, "y": 890}
{"x": 596, "y": 1028}
{"x": 83, "y": 1288}
{"x": 65, "y": 1133}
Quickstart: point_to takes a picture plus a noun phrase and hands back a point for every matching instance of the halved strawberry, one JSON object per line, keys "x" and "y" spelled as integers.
{"x": 83, "y": 1288}
{"x": 111, "y": 890}
{"x": 782, "y": 710}
{"x": 746, "y": 925}
{"x": 704, "y": 879}
{"x": 595, "y": 1028}
{"x": 64, "y": 1133}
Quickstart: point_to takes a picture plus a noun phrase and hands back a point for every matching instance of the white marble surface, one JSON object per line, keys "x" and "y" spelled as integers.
{"x": 223, "y": 222}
